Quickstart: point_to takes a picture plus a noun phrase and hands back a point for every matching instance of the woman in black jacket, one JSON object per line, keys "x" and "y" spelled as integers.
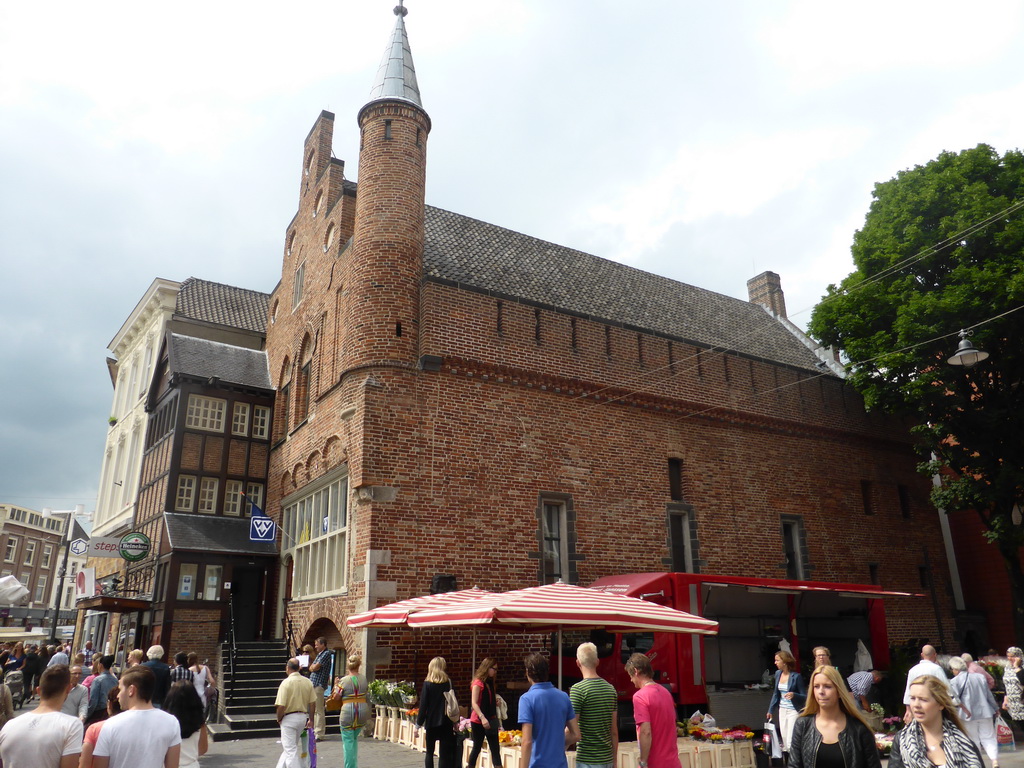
{"x": 831, "y": 733}
{"x": 432, "y": 715}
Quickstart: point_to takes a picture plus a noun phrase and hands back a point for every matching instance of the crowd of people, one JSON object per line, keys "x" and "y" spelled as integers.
{"x": 150, "y": 715}
{"x": 949, "y": 720}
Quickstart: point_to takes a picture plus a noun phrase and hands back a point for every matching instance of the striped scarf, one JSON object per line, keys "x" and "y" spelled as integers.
{"x": 957, "y": 746}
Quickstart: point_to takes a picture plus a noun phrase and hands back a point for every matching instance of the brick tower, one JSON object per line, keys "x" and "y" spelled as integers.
{"x": 382, "y": 311}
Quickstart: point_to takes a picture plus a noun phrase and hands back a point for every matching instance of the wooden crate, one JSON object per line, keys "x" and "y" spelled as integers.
{"x": 704, "y": 755}
{"x": 629, "y": 754}
{"x": 381, "y": 724}
{"x": 512, "y": 757}
{"x": 725, "y": 754}
{"x": 744, "y": 754}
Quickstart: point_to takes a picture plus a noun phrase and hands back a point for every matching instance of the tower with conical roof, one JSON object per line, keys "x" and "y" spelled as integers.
{"x": 382, "y": 312}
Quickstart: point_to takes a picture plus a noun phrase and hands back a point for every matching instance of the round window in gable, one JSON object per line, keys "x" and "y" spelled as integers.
{"x": 291, "y": 242}
{"x": 318, "y": 204}
{"x": 329, "y": 237}
{"x": 273, "y": 313}
{"x": 309, "y": 163}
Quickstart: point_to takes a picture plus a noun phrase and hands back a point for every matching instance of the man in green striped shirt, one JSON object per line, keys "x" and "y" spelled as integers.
{"x": 594, "y": 700}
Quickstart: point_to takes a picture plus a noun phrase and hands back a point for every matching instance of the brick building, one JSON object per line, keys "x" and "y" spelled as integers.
{"x": 459, "y": 400}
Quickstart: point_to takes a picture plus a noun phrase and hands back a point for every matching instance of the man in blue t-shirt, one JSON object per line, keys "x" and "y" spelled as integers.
{"x": 545, "y": 713}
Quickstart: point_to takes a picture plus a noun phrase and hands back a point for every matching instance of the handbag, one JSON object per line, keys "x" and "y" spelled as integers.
{"x": 451, "y": 705}
{"x": 333, "y": 702}
{"x": 501, "y": 708}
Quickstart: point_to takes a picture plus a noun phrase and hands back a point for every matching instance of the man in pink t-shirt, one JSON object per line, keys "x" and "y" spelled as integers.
{"x": 655, "y": 715}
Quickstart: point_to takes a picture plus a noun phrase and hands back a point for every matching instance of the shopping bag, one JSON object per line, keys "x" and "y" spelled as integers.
{"x": 772, "y": 737}
{"x": 1004, "y": 735}
{"x": 304, "y": 748}
{"x": 311, "y": 739}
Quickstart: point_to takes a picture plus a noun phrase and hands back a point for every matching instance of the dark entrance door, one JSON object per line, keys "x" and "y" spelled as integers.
{"x": 247, "y": 601}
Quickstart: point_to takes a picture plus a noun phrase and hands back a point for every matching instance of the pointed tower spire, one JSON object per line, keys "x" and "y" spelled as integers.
{"x": 396, "y": 76}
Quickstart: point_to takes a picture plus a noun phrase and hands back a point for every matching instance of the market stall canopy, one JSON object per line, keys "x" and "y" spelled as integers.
{"x": 396, "y": 614}
{"x": 12, "y": 591}
{"x": 551, "y": 607}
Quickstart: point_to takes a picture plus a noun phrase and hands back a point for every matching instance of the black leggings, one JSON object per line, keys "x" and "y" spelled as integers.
{"x": 478, "y": 743}
{"x": 445, "y": 736}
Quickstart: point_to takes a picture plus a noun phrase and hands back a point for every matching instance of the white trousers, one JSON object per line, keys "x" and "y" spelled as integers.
{"x": 983, "y": 733}
{"x": 291, "y": 728}
{"x": 787, "y": 719}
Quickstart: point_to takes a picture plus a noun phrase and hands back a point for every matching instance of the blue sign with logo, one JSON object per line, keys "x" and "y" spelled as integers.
{"x": 262, "y": 528}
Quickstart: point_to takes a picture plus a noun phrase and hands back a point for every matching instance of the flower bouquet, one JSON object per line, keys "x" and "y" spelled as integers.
{"x": 510, "y": 738}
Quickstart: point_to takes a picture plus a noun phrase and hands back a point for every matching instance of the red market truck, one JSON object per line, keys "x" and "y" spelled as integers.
{"x": 716, "y": 672}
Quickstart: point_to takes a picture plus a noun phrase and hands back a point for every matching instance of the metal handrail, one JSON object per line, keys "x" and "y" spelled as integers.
{"x": 291, "y": 636}
{"x": 232, "y": 649}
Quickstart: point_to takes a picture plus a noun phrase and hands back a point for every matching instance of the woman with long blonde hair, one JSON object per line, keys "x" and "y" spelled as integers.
{"x": 934, "y": 736}
{"x": 831, "y": 732}
{"x": 433, "y": 716}
{"x": 354, "y": 709}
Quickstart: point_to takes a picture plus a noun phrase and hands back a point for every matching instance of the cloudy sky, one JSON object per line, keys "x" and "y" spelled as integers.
{"x": 703, "y": 141}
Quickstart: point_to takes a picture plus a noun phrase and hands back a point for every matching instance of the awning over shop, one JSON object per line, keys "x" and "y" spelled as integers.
{"x": 112, "y": 604}
{"x": 208, "y": 533}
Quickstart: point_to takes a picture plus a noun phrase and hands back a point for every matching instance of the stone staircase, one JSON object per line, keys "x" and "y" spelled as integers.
{"x": 248, "y": 695}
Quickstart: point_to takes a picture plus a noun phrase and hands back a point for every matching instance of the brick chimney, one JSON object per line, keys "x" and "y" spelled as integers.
{"x": 766, "y": 290}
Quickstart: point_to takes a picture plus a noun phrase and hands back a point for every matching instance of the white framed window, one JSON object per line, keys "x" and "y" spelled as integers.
{"x": 40, "y": 595}
{"x": 240, "y": 419}
{"x": 233, "y": 500}
{"x": 26, "y": 578}
{"x": 315, "y": 536}
{"x": 208, "y": 495}
{"x": 47, "y": 556}
{"x": 185, "y": 498}
{"x": 255, "y": 494}
{"x": 300, "y": 278}
{"x": 12, "y": 549}
{"x": 261, "y": 422}
{"x": 69, "y": 598}
{"x": 206, "y": 413}
{"x": 30, "y": 553}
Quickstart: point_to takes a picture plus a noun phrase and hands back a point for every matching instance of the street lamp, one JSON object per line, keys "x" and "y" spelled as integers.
{"x": 967, "y": 355}
{"x": 65, "y": 536}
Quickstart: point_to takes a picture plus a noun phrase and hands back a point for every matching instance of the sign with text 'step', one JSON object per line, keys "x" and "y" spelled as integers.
{"x": 97, "y": 546}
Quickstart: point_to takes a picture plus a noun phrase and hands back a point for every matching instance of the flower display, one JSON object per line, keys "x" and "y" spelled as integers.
{"x": 510, "y": 738}
{"x": 465, "y": 726}
{"x": 385, "y": 693}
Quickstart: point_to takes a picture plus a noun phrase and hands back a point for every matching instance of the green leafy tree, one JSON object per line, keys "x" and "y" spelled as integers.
{"x": 942, "y": 248}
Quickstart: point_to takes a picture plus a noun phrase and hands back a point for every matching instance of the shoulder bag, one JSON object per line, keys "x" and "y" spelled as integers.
{"x": 451, "y": 704}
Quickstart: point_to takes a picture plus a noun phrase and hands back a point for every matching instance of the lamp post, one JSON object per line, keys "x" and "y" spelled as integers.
{"x": 65, "y": 536}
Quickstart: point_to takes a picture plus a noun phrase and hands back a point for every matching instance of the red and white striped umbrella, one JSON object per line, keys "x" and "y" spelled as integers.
{"x": 558, "y": 606}
{"x": 396, "y": 614}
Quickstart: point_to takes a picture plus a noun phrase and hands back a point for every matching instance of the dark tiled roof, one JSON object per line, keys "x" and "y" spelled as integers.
{"x": 223, "y": 304}
{"x": 210, "y": 533}
{"x": 490, "y": 258}
{"x": 207, "y": 359}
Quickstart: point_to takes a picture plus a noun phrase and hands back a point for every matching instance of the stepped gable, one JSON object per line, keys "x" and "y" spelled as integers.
{"x": 223, "y": 304}
{"x": 207, "y": 533}
{"x": 204, "y": 359}
{"x": 486, "y": 257}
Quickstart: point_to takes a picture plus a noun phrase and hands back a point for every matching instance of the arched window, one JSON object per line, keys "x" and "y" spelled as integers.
{"x": 318, "y": 203}
{"x": 329, "y": 237}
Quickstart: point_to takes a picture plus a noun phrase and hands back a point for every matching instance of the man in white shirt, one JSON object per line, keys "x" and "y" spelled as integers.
{"x": 142, "y": 736}
{"x": 45, "y": 737}
{"x": 58, "y": 657}
{"x": 926, "y": 666}
{"x": 77, "y": 702}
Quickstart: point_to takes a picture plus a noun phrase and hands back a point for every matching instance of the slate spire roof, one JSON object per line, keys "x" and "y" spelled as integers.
{"x": 396, "y": 77}
{"x": 480, "y": 256}
{"x": 223, "y": 305}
